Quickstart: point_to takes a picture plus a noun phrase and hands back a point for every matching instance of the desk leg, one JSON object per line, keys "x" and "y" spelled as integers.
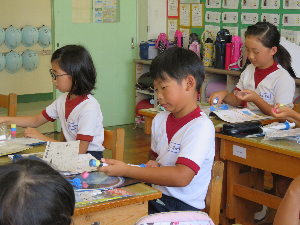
{"x": 148, "y": 124}
{"x": 125, "y": 215}
{"x": 238, "y": 208}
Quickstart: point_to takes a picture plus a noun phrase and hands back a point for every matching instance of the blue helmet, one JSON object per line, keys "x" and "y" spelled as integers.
{"x": 13, "y": 37}
{"x": 13, "y": 62}
{"x": 30, "y": 60}
{"x": 2, "y": 35}
{"x": 30, "y": 35}
{"x": 45, "y": 36}
{"x": 2, "y": 61}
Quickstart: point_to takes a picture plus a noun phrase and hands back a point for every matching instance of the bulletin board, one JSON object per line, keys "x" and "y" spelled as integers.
{"x": 236, "y": 16}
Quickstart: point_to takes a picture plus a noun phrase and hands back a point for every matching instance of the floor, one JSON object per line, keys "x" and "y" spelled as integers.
{"x": 137, "y": 143}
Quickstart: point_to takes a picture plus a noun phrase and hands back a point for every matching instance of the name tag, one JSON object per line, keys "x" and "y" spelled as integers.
{"x": 174, "y": 148}
{"x": 265, "y": 96}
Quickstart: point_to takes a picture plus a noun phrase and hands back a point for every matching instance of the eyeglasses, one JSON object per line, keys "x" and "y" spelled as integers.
{"x": 54, "y": 76}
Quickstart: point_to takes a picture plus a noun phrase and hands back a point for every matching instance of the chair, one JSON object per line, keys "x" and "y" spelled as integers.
{"x": 113, "y": 140}
{"x": 213, "y": 197}
{"x": 9, "y": 102}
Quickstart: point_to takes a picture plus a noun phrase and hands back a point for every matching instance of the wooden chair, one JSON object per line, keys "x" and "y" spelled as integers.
{"x": 213, "y": 197}
{"x": 113, "y": 140}
{"x": 9, "y": 102}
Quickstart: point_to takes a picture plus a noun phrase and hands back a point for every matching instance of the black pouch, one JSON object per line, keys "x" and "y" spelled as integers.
{"x": 242, "y": 129}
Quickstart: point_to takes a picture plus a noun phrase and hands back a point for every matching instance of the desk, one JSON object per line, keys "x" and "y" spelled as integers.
{"x": 120, "y": 211}
{"x": 280, "y": 157}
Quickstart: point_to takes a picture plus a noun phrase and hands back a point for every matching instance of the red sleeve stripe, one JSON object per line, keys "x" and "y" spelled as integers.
{"x": 46, "y": 116}
{"x": 154, "y": 154}
{"x": 189, "y": 163}
{"x": 84, "y": 137}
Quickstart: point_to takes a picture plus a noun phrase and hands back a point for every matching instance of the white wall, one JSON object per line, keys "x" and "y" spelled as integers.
{"x": 19, "y": 14}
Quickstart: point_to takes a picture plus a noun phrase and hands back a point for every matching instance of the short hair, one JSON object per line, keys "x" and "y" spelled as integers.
{"x": 33, "y": 193}
{"x": 269, "y": 36}
{"x": 76, "y": 61}
{"x": 178, "y": 63}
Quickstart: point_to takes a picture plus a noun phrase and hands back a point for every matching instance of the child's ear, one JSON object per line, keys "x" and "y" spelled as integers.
{"x": 190, "y": 82}
{"x": 273, "y": 50}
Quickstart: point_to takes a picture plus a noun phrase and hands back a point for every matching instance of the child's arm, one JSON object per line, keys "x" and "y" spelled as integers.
{"x": 172, "y": 176}
{"x": 83, "y": 146}
{"x": 228, "y": 98}
{"x": 288, "y": 211}
{"x": 25, "y": 121}
{"x": 286, "y": 113}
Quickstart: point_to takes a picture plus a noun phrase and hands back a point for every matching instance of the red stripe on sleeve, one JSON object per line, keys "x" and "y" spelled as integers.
{"x": 154, "y": 154}
{"x": 188, "y": 163}
{"x": 84, "y": 137}
{"x": 46, "y": 116}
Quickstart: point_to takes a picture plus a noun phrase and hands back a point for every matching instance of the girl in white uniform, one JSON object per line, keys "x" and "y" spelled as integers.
{"x": 265, "y": 81}
{"x": 73, "y": 73}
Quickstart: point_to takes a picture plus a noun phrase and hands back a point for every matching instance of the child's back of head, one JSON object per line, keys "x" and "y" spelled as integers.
{"x": 33, "y": 193}
{"x": 77, "y": 62}
{"x": 269, "y": 36}
{"x": 178, "y": 63}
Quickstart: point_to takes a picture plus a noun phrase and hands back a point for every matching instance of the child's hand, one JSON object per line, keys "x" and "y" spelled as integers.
{"x": 116, "y": 168}
{"x": 220, "y": 95}
{"x": 248, "y": 95}
{"x": 281, "y": 113}
{"x": 33, "y": 133}
{"x": 152, "y": 163}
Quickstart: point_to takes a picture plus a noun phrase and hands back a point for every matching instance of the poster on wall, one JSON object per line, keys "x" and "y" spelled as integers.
{"x": 105, "y": 11}
{"x": 213, "y": 4}
{"x": 232, "y": 30}
{"x": 213, "y": 29}
{"x": 291, "y": 4}
{"x": 172, "y": 27}
{"x": 290, "y": 19}
{"x": 249, "y": 18}
{"x": 229, "y": 17}
{"x": 189, "y": 1}
{"x": 291, "y": 35}
{"x": 197, "y": 15}
{"x": 185, "y": 13}
{"x": 271, "y": 18}
{"x": 81, "y": 11}
{"x": 270, "y": 4}
{"x": 186, "y": 36}
{"x": 230, "y": 4}
{"x": 211, "y": 16}
{"x": 249, "y": 4}
{"x": 173, "y": 8}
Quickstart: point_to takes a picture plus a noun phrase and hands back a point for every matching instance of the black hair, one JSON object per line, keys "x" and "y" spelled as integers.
{"x": 76, "y": 61}
{"x": 33, "y": 193}
{"x": 178, "y": 63}
{"x": 269, "y": 36}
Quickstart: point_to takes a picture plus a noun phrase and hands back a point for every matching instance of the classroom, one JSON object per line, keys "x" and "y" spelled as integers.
{"x": 120, "y": 37}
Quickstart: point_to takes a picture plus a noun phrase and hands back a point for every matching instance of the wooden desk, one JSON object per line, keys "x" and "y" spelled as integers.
{"x": 120, "y": 211}
{"x": 280, "y": 157}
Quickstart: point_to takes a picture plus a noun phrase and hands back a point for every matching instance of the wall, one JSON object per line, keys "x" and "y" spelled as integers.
{"x": 110, "y": 48}
{"x": 19, "y": 14}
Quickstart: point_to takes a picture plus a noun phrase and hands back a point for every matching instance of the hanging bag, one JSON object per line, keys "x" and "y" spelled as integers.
{"x": 236, "y": 53}
{"x": 208, "y": 49}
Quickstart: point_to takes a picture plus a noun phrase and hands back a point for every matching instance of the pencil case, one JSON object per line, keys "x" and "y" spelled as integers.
{"x": 242, "y": 129}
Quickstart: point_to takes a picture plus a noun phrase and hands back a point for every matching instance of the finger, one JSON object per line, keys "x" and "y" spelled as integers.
{"x": 108, "y": 161}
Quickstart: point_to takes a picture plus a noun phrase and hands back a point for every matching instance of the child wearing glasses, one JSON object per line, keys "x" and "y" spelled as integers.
{"x": 73, "y": 73}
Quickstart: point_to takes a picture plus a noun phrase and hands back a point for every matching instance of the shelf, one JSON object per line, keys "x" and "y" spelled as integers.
{"x": 144, "y": 92}
{"x": 148, "y": 62}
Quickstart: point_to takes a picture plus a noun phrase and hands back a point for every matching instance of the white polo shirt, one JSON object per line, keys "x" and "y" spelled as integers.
{"x": 277, "y": 87}
{"x": 192, "y": 145}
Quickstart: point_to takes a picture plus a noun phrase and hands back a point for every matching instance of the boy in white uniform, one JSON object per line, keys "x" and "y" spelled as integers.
{"x": 183, "y": 137}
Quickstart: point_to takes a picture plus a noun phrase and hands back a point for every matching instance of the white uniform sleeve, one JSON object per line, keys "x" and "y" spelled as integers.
{"x": 284, "y": 90}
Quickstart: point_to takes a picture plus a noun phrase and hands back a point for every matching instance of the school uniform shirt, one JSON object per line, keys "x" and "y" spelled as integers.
{"x": 80, "y": 119}
{"x": 274, "y": 85}
{"x": 189, "y": 141}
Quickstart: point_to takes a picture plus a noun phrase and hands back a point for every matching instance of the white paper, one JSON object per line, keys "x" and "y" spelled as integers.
{"x": 238, "y": 115}
{"x": 249, "y": 18}
{"x": 211, "y": 16}
{"x": 239, "y": 151}
{"x": 291, "y": 4}
{"x": 232, "y": 30}
{"x": 173, "y": 8}
{"x": 270, "y": 4}
{"x": 26, "y": 141}
{"x": 63, "y": 156}
{"x": 290, "y": 19}
{"x": 172, "y": 27}
{"x": 229, "y": 17}
{"x": 185, "y": 14}
{"x": 213, "y": 29}
{"x": 230, "y": 4}
{"x": 186, "y": 35}
{"x": 291, "y": 36}
{"x": 213, "y": 3}
{"x": 197, "y": 20}
{"x": 271, "y": 18}
{"x": 249, "y": 4}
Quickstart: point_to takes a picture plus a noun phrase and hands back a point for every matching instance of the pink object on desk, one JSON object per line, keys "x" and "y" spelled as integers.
{"x": 85, "y": 185}
{"x": 274, "y": 110}
{"x": 84, "y": 175}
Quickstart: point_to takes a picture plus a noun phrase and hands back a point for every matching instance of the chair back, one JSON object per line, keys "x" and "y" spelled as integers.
{"x": 113, "y": 140}
{"x": 10, "y": 103}
{"x": 213, "y": 197}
